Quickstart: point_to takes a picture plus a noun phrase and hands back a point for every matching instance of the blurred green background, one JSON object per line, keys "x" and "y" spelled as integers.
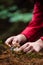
{"x": 14, "y": 16}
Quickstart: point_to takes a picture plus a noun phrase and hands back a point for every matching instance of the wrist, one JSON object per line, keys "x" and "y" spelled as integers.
{"x": 40, "y": 42}
{"x": 22, "y": 38}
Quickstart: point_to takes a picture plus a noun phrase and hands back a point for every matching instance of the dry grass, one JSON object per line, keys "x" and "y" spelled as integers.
{"x": 8, "y": 57}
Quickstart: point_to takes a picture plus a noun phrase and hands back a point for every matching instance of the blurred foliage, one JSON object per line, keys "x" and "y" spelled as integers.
{"x": 16, "y": 10}
{"x": 14, "y": 16}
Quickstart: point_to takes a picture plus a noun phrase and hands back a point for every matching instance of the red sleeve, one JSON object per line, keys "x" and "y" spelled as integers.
{"x": 36, "y": 23}
{"x": 41, "y": 38}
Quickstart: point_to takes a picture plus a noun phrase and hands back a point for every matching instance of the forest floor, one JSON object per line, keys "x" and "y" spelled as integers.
{"x": 8, "y": 57}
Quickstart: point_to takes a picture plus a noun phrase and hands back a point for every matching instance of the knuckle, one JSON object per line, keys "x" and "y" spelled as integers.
{"x": 5, "y": 42}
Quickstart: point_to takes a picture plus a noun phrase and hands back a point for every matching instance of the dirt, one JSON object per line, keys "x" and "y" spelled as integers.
{"x": 8, "y": 57}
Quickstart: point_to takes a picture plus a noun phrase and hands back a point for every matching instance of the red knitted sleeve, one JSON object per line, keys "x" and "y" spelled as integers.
{"x": 36, "y": 23}
{"x": 41, "y": 38}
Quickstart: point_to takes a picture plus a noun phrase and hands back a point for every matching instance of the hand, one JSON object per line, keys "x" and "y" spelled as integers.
{"x": 32, "y": 46}
{"x": 15, "y": 40}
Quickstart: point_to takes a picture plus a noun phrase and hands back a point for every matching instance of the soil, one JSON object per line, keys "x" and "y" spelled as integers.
{"x": 8, "y": 57}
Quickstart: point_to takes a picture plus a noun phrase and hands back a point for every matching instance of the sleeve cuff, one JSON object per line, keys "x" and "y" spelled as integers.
{"x": 41, "y": 38}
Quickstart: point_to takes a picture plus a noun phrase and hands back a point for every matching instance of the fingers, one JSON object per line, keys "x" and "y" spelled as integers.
{"x": 8, "y": 41}
{"x": 30, "y": 51}
{"x": 12, "y": 41}
{"x": 28, "y": 48}
{"x": 23, "y": 46}
{"x": 8, "y": 44}
{"x": 15, "y": 42}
